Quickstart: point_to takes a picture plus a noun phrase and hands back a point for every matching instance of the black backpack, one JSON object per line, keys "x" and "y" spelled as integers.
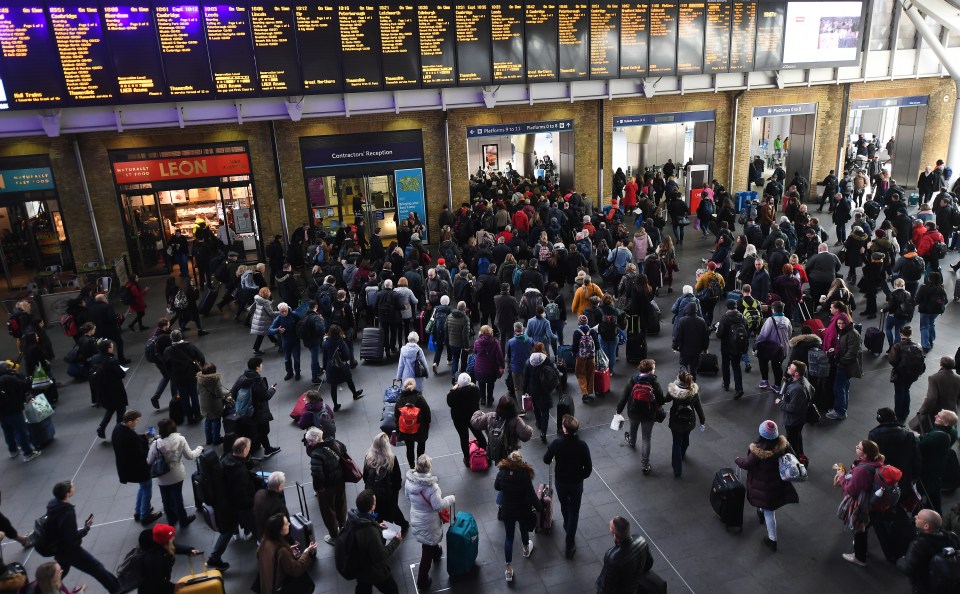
{"x": 906, "y": 307}
{"x": 911, "y": 365}
{"x": 345, "y": 555}
{"x": 608, "y": 327}
{"x": 497, "y": 448}
{"x": 945, "y": 571}
{"x": 739, "y": 338}
{"x": 684, "y": 414}
{"x": 42, "y": 537}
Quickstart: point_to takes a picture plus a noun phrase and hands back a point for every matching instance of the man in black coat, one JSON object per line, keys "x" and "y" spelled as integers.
{"x": 899, "y": 445}
{"x": 60, "y": 530}
{"x": 626, "y": 562}
{"x": 130, "y": 449}
{"x": 104, "y": 317}
{"x": 183, "y": 361}
{"x": 929, "y": 541}
{"x": 530, "y": 278}
{"x": 14, "y": 390}
{"x": 235, "y": 508}
{"x": 275, "y": 258}
{"x": 574, "y": 465}
{"x": 691, "y": 338}
{"x": 257, "y": 427}
{"x": 487, "y": 288}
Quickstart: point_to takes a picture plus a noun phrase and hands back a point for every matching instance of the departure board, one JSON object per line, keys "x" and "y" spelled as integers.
{"x": 132, "y": 37}
{"x": 183, "y": 50}
{"x": 87, "y": 71}
{"x": 770, "y": 20}
{"x": 474, "y": 62}
{"x": 634, "y": 38}
{"x": 540, "y": 41}
{"x": 573, "y": 38}
{"x": 663, "y": 38}
{"x": 690, "y": 36}
{"x": 275, "y": 49}
{"x": 743, "y": 29}
{"x": 360, "y": 47}
{"x": 399, "y": 46}
{"x": 438, "y": 45}
{"x": 506, "y": 39}
{"x": 29, "y": 56}
{"x": 716, "y": 47}
{"x": 318, "y": 42}
{"x": 231, "y": 51}
{"x": 604, "y": 40}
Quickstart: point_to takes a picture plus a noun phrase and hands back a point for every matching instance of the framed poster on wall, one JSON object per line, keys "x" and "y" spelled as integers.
{"x": 491, "y": 159}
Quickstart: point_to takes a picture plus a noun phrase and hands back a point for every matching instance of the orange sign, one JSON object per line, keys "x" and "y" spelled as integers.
{"x": 131, "y": 172}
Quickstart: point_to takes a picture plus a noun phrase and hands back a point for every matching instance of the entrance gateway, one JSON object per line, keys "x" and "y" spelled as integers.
{"x": 785, "y": 134}
{"x": 533, "y": 149}
{"x": 902, "y": 119}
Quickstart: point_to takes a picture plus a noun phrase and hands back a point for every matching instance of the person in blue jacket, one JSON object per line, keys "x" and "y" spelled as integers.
{"x": 285, "y": 325}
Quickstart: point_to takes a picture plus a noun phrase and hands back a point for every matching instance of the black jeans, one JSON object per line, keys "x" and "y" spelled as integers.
{"x": 88, "y": 564}
{"x": 421, "y": 448}
{"x": 462, "y": 429}
{"x": 109, "y": 412}
{"x": 428, "y": 554}
{"x": 569, "y": 496}
{"x": 729, "y": 361}
{"x": 795, "y": 437}
{"x": 333, "y": 390}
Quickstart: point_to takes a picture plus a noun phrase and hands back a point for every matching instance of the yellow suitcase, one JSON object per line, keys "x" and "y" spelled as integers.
{"x": 208, "y": 581}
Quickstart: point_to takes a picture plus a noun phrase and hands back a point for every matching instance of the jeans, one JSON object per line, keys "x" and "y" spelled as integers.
{"x": 211, "y": 430}
{"x": 569, "y": 496}
{"x": 841, "y": 391}
{"x": 245, "y": 521}
{"x": 291, "y": 356}
{"x": 190, "y": 399}
{"x": 144, "y": 494}
{"x": 557, "y": 327}
{"x": 678, "y": 232}
{"x": 164, "y": 381}
{"x": 486, "y": 384}
{"x": 88, "y": 564}
{"x": 15, "y": 432}
{"x": 315, "y": 361}
{"x": 892, "y": 327}
{"x": 421, "y": 449}
{"x": 842, "y": 232}
{"x": 928, "y": 330}
{"x": 610, "y": 350}
{"x": 182, "y": 262}
{"x": 646, "y": 429}
{"x": 901, "y": 399}
{"x": 708, "y": 306}
{"x": 730, "y": 361}
{"x": 439, "y": 351}
{"x": 543, "y": 418}
{"x": 770, "y": 519}
{"x": 510, "y": 528}
{"x": 681, "y": 441}
{"x": 455, "y": 356}
{"x": 172, "y": 497}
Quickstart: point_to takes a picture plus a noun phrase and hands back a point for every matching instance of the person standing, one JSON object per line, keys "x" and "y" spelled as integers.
{"x": 686, "y": 408}
{"x": 849, "y": 357}
{"x": 14, "y": 392}
{"x": 643, "y": 398}
{"x": 107, "y": 379}
{"x": 61, "y": 529}
{"x": 130, "y": 449}
{"x": 310, "y": 330}
{"x": 261, "y": 319}
{"x": 183, "y": 361}
{"x": 269, "y": 501}
{"x": 422, "y": 489}
{"x": 733, "y": 326}
{"x": 213, "y": 396}
{"x": 859, "y": 483}
{"x": 574, "y": 465}
{"x": 625, "y": 562}
{"x": 931, "y": 303}
{"x": 516, "y": 354}
{"x": 257, "y": 426}
{"x": 797, "y": 395}
{"x": 285, "y": 325}
{"x": 158, "y": 559}
{"x": 584, "y": 348}
{"x": 489, "y": 363}
{"x": 515, "y": 483}
{"x": 325, "y": 455}
{"x": 464, "y": 400}
{"x": 906, "y": 359}
{"x": 107, "y": 323}
{"x": 691, "y": 338}
{"x": 281, "y": 568}
{"x": 459, "y": 331}
{"x": 179, "y": 251}
{"x": 934, "y": 448}
{"x": 413, "y": 417}
{"x": 943, "y": 392}
{"x": 153, "y": 352}
{"x": 899, "y": 309}
{"x": 173, "y": 447}
{"x": 381, "y": 474}
{"x": 370, "y": 553}
{"x": 771, "y": 346}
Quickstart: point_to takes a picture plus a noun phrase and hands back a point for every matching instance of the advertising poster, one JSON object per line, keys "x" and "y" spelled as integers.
{"x": 410, "y": 197}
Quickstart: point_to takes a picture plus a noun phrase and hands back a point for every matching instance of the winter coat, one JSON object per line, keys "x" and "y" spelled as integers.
{"x": 623, "y": 566}
{"x": 489, "y": 362}
{"x": 423, "y": 492}
{"x": 931, "y": 299}
{"x": 325, "y": 466}
{"x": 385, "y": 484}
{"x": 288, "y": 338}
{"x": 776, "y": 330}
{"x": 765, "y": 490}
{"x": 413, "y": 398}
{"x": 463, "y": 402}
{"x": 242, "y": 483}
{"x": 643, "y": 415}
{"x": 760, "y": 285}
{"x": 211, "y": 394}
{"x": 14, "y": 389}
{"x": 183, "y": 361}
{"x": 331, "y": 346}
{"x": 690, "y": 337}
{"x": 265, "y": 504}
{"x": 261, "y": 395}
{"x": 108, "y": 381}
{"x": 174, "y": 448}
{"x": 139, "y": 304}
{"x": 407, "y": 302}
{"x": 915, "y": 564}
{"x": 801, "y": 345}
{"x": 130, "y": 449}
{"x": 518, "y": 352}
{"x": 851, "y": 352}
{"x": 790, "y": 292}
{"x": 515, "y": 481}
{"x": 458, "y": 330}
{"x": 943, "y": 392}
{"x": 532, "y": 383}
{"x": 574, "y": 464}
{"x": 795, "y": 400}
{"x": 156, "y": 568}
{"x": 507, "y": 309}
{"x": 370, "y": 549}
{"x": 263, "y": 314}
{"x": 516, "y": 429}
{"x": 900, "y": 447}
{"x": 682, "y": 396}
{"x": 277, "y": 562}
{"x": 406, "y": 366}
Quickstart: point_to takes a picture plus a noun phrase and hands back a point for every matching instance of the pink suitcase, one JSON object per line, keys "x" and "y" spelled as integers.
{"x": 478, "y": 457}
{"x": 601, "y": 382}
{"x": 545, "y": 495}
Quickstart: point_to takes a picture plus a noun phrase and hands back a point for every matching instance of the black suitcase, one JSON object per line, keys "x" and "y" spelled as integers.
{"x": 301, "y": 528}
{"x": 371, "y": 345}
{"x": 727, "y": 496}
{"x": 951, "y": 474}
{"x": 636, "y": 347}
{"x": 895, "y": 529}
{"x": 956, "y": 290}
{"x": 42, "y": 433}
{"x": 874, "y": 338}
{"x": 206, "y": 301}
{"x": 652, "y": 583}
{"x": 709, "y": 364}
{"x": 565, "y": 406}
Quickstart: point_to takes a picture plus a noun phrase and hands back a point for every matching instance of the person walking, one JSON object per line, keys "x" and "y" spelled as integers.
{"x": 412, "y": 364}
{"x": 130, "y": 450}
{"x": 437, "y": 329}
{"x": 326, "y": 454}
{"x": 574, "y": 465}
{"x": 174, "y": 448}
{"x": 935, "y": 447}
{"x": 336, "y": 357}
{"x": 858, "y": 484}
{"x": 625, "y": 563}
{"x": 370, "y": 553}
{"x": 257, "y": 425}
{"x": 282, "y": 568}
{"x": 584, "y": 347}
{"x": 213, "y": 397}
{"x": 771, "y": 346}
{"x": 285, "y": 325}
{"x": 413, "y": 417}
{"x": 686, "y": 408}
{"x": 183, "y": 361}
{"x": 153, "y": 353}
{"x": 734, "y": 335}
{"x": 61, "y": 530}
{"x": 643, "y": 398}
{"x": 261, "y": 319}
{"x": 464, "y": 400}
{"x": 234, "y": 506}
{"x": 515, "y": 483}
{"x": 503, "y": 421}
{"x": 107, "y": 377}
{"x": 849, "y": 358}
{"x": 765, "y": 489}
{"x": 906, "y": 360}
{"x": 931, "y": 302}
{"x": 516, "y": 354}
{"x": 489, "y": 363}
{"x": 422, "y": 489}
{"x": 540, "y": 378}
{"x": 189, "y": 310}
{"x": 796, "y": 399}
{"x": 459, "y": 332}
{"x": 156, "y": 567}
{"x": 14, "y": 394}
{"x": 381, "y": 474}
{"x": 269, "y": 501}
{"x": 691, "y": 338}
{"x": 137, "y": 303}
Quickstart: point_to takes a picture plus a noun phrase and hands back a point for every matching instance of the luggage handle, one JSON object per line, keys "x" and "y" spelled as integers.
{"x": 302, "y": 498}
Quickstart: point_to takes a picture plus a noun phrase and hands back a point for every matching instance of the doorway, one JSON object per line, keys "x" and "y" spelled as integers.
{"x": 337, "y": 200}
{"x": 32, "y": 241}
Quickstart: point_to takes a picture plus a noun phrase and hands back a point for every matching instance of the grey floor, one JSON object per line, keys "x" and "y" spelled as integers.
{"x": 692, "y": 550}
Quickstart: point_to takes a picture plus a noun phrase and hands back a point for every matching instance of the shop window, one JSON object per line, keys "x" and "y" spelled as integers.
{"x": 880, "y": 23}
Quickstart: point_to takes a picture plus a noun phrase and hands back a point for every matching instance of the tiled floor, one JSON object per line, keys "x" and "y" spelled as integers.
{"x": 691, "y": 549}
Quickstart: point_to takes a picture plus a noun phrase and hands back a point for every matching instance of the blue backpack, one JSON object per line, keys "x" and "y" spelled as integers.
{"x": 483, "y": 265}
{"x": 244, "y": 406}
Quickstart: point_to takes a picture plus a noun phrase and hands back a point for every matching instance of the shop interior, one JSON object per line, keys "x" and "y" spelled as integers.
{"x": 337, "y": 200}
{"x": 906, "y": 125}
{"x": 548, "y": 154}
{"x": 644, "y": 149}
{"x": 796, "y": 133}
{"x": 33, "y": 242}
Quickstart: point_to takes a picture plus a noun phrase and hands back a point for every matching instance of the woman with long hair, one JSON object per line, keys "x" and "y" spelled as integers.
{"x": 855, "y": 483}
{"x": 838, "y": 291}
{"x": 50, "y": 581}
{"x": 282, "y": 567}
{"x": 507, "y": 417}
{"x": 668, "y": 265}
{"x": 336, "y": 364}
{"x": 517, "y": 496}
{"x": 137, "y": 303}
{"x": 174, "y": 448}
{"x": 683, "y": 416}
{"x": 381, "y": 474}
{"x": 489, "y": 363}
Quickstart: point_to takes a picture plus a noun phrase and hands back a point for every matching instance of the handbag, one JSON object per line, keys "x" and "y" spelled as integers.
{"x": 160, "y": 465}
{"x": 683, "y": 221}
{"x": 853, "y": 512}
{"x": 527, "y": 403}
{"x": 419, "y": 369}
{"x": 445, "y": 512}
{"x": 40, "y": 379}
{"x": 351, "y": 474}
{"x": 661, "y": 414}
{"x": 13, "y": 578}
{"x": 37, "y": 409}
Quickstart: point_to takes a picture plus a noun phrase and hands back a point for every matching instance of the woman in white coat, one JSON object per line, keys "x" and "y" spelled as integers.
{"x": 174, "y": 448}
{"x": 422, "y": 488}
{"x": 407, "y": 366}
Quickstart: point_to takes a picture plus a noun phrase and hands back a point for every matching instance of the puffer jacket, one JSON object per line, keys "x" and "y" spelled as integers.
{"x": 406, "y": 366}
{"x": 212, "y": 394}
{"x": 325, "y": 468}
{"x": 515, "y": 481}
{"x": 489, "y": 360}
{"x": 263, "y": 314}
{"x": 623, "y": 566}
{"x": 174, "y": 448}
{"x": 458, "y": 330}
{"x": 426, "y": 499}
{"x": 765, "y": 490}
{"x": 915, "y": 564}
{"x": 684, "y": 396}
{"x": 801, "y": 345}
{"x": 531, "y": 380}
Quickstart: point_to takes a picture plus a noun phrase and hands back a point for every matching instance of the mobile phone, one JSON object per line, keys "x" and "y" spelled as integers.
{"x": 90, "y": 517}
{"x": 151, "y": 431}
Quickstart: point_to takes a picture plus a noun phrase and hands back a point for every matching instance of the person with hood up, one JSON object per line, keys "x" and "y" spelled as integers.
{"x": 410, "y": 356}
{"x": 584, "y": 347}
{"x": 517, "y": 495}
{"x": 540, "y": 378}
{"x": 691, "y": 338}
{"x": 286, "y": 285}
{"x": 685, "y": 395}
{"x": 257, "y": 426}
{"x": 489, "y": 363}
{"x": 326, "y": 471}
{"x": 262, "y": 318}
{"x": 643, "y": 397}
{"x": 213, "y": 396}
{"x": 412, "y": 417}
{"x": 849, "y": 357}
{"x": 174, "y": 448}
{"x": 902, "y": 447}
{"x": 464, "y": 400}
{"x": 679, "y": 309}
{"x": 765, "y": 489}
{"x": 107, "y": 377}
{"x": 62, "y": 527}
{"x": 771, "y": 346}
{"x": 422, "y": 489}
{"x": 803, "y": 343}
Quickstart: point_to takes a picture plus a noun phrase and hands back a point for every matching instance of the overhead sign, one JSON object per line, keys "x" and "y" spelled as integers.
{"x": 410, "y": 196}
{"x": 365, "y": 154}
{"x": 889, "y": 102}
{"x": 520, "y": 128}
{"x": 131, "y": 172}
{"x": 768, "y": 111}
{"x": 26, "y": 180}
{"x": 652, "y": 119}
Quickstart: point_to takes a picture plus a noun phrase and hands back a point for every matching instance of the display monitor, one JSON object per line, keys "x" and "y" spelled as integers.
{"x": 540, "y": 41}
{"x": 318, "y": 34}
{"x": 275, "y": 48}
{"x": 131, "y": 33}
{"x": 399, "y": 46}
{"x": 84, "y": 57}
{"x": 573, "y": 33}
{"x": 506, "y": 35}
{"x": 769, "y": 52}
{"x": 231, "y": 49}
{"x": 438, "y": 44}
{"x": 823, "y": 34}
{"x": 360, "y": 47}
{"x": 183, "y": 50}
{"x": 474, "y": 60}
{"x": 29, "y": 56}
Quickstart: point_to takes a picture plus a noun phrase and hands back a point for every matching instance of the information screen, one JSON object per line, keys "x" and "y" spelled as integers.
{"x": 275, "y": 49}
{"x": 663, "y": 38}
{"x": 318, "y": 34}
{"x": 438, "y": 47}
{"x": 474, "y": 62}
{"x": 87, "y": 70}
{"x": 360, "y": 47}
{"x": 183, "y": 49}
{"x": 573, "y": 33}
{"x": 716, "y": 48}
{"x": 540, "y": 41}
{"x": 506, "y": 31}
{"x": 231, "y": 50}
{"x": 822, "y": 33}
{"x": 770, "y": 19}
{"x": 132, "y": 37}
{"x": 743, "y": 29}
{"x": 29, "y": 56}
{"x": 400, "y": 46}
{"x": 604, "y": 40}
{"x": 634, "y": 38}
{"x": 690, "y": 37}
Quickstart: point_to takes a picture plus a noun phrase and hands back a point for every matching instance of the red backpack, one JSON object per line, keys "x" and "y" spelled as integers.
{"x": 409, "y": 420}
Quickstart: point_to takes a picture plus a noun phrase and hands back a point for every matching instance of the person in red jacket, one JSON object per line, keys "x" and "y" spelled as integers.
{"x": 520, "y": 221}
{"x": 138, "y": 305}
{"x": 926, "y": 243}
{"x": 859, "y": 479}
{"x": 630, "y": 194}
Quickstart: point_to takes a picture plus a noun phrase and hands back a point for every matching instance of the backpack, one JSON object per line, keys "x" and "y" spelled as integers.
{"x": 544, "y": 253}
{"x": 150, "y": 349}
{"x": 325, "y": 303}
{"x": 440, "y": 324}
{"x": 450, "y": 255}
{"x": 740, "y": 337}
{"x": 939, "y": 250}
{"x": 947, "y": 172}
{"x": 912, "y": 268}
{"x": 126, "y": 295}
{"x": 244, "y": 406}
{"x": 945, "y": 571}
{"x": 345, "y": 555}
{"x": 708, "y": 207}
{"x": 608, "y": 327}
{"x": 43, "y": 542}
{"x": 818, "y": 363}
{"x": 552, "y": 311}
{"x": 585, "y": 247}
{"x": 751, "y": 311}
{"x": 497, "y": 447}
{"x": 69, "y": 325}
{"x": 587, "y": 348}
{"x": 516, "y": 276}
{"x": 323, "y": 420}
{"x": 684, "y": 415}
{"x": 549, "y": 378}
{"x": 905, "y": 308}
{"x": 483, "y": 265}
{"x": 885, "y": 492}
{"x": 130, "y": 570}
{"x": 13, "y": 327}
{"x": 409, "y": 423}
{"x": 911, "y": 364}
{"x": 713, "y": 286}
{"x": 180, "y": 301}
{"x": 305, "y": 329}
{"x": 642, "y": 399}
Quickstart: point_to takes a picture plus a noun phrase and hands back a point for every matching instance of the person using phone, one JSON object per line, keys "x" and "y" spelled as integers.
{"x": 159, "y": 548}
{"x": 253, "y": 387}
{"x": 279, "y": 565}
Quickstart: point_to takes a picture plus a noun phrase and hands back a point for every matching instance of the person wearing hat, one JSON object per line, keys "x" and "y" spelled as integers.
{"x": 156, "y": 568}
{"x": 873, "y": 279}
{"x": 709, "y": 289}
{"x": 765, "y": 490}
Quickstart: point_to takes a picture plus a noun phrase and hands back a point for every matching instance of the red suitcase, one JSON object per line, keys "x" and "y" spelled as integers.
{"x": 298, "y": 407}
{"x": 601, "y": 382}
{"x": 478, "y": 457}
{"x": 424, "y": 318}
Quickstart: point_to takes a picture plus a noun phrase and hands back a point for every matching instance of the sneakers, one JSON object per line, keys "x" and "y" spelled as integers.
{"x": 204, "y": 333}
{"x": 528, "y": 550}
{"x": 434, "y": 369}
{"x": 508, "y": 574}
{"x": 834, "y": 415}
{"x": 853, "y": 559}
{"x": 218, "y": 564}
{"x": 329, "y": 540}
{"x": 775, "y": 388}
{"x": 763, "y": 385}
{"x": 33, "y": 456}
{"x": 646, "y": 468}
{"x": 267, "y": 452}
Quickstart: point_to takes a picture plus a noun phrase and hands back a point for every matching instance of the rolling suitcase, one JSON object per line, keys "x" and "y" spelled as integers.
{"x": 298, "y": 407}
{"x": 873, "y": 338}
{"x": 301, "y": 528}
{"x": 895, "y": 530}
{"x": 727, "y": 496}
{"x": 636, "y": 347}
{"x": 708, "y": 364}
{"x": 544, "y": 523}
{"x": 388, "y": 421}
{"x": 42, "y": 433}
{"x": 371, "y": 345}
{"x": 206, "y": 301}
{"x": 478, "y": 457}
{"x": 601, "y": 382}
{"x": 391, "y": 394}
{"x": 208, "y": 581}
{"x": 564, "y": 407}
{"x": 204, "y": 509}
{"x": 463, "y": 544}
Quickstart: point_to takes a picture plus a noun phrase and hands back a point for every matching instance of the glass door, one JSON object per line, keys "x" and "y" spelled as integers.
{"x": 383, "y": 206}
{"x": 237, "y": 220}
{"x": 146, "y": 242}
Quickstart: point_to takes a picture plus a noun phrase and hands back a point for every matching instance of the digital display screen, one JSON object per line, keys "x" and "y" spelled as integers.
{"x": 132, "y": 37}
{"x": 604, "y": 40}
{"x": 438, "y": 44}
{"x": 573, "y": 33}
{"x": 360, "y": 47}
{"x": 770, "y": 19}
{"x": 540, "y": 40}
{"x": 275, "y": 49}
{"x": 690, "y": 36}
{"x": 29, "y": 55}
{"x": 183, "y": 50}
{"x": 716, "y": 48}
{"x": 231, "y": 51}
{"x": 400, "y": 46}
{"x": 634, "y": 38}
{"x": 743, "y": 29}
{"x": 318, "y": 34}
{"x": 663, "y": 38}
{"x": 822, "y": 33}
{"x": 87, "y": 69}
{"x": 506, "y": 36}
{"x": 474, "y": 61}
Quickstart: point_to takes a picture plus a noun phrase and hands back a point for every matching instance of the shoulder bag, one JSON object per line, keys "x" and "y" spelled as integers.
{"x": 351, "y": 473}
{"x": 443, "y": 513}
{"x": 160, "y": 466}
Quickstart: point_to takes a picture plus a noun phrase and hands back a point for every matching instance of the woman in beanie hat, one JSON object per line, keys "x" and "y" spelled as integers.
{"x": 157, "y": 565}
{"x": 765, "y": 490}
{"x": 464, "y": 400}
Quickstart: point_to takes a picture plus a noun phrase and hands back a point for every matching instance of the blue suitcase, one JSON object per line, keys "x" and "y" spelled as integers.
{"x": 463, "y": 544}
{"x": 42, "y": 433}
{"x": 391, "y": 394}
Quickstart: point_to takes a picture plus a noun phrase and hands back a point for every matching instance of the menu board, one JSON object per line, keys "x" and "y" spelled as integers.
{"x": 438, "y": 59}
{"x": 743, "y": 29}
{"x": 360, "y": 47}
{"x": 690, "y": 37}
{"x": 716, "y": 46}
{"x": 506, "y": 39}
{"x": 540, "y": 41}
{"x": 573, "y": 35}
{"x": 132, "y": 37}
{"x": 663, "y": 38}
{"x": 275, "y": 49}
{"x": 634, "y": 38}
{"x": 231, "y": 51}
{"x": 84, "y": 59}
{"x": 474, "y": 65}
{"x": 399, "y": 46}
{"x": 318, "y": 34}
{"x": 604, "y": 40}
{"x": 27, "y": 47}
{"x": 770, "y": 18}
